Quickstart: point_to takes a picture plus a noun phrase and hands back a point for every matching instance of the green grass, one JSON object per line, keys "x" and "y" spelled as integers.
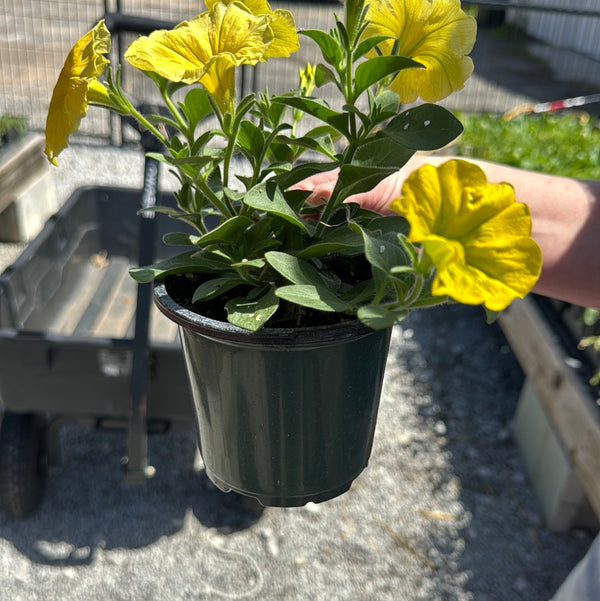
{"x": 11, "y": 128}
{"x": 561, "y": 144}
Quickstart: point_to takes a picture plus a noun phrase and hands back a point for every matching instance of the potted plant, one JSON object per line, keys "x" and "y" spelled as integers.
{"x": 285, "y": 307}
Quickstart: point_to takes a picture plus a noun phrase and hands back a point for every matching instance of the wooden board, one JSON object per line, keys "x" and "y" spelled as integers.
{"x": 569, "y": 405}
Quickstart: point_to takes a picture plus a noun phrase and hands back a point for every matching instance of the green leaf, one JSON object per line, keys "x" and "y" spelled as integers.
{"x": 293, "y": 269}
{"x": 302, "y": 171}
{"x": 491, "y": 316}
{"x": 226, "y": 232}
{"x": 333, "y": 240}
{"x": 353, "y": 179}
{"x": 381, "y": 151}
{"x": 368, "y": 44}
{"x": 197, "y": 162}
{"x": 268, "y": 197}
{"x": 196, "y": 106}
{"x": 377, "y": 68}
{"x": 216, "y": 286}
{"x": 353, "y": 16}
{"x": 324, "y": 145}
{"x": 390, "y": 224}
{"x": 384, "y": 106}
{"x": 323, "y": 130}
{"x": 255, "y": 263}
{"x": 342, "y": 31}
{"x": 324, "y": 75}
{"x": 317, "y": 108}
{"x": 180, "y": 239}
{"x": 252, "y": 314}
{"x": 330, "y": 47}
{"x": 314, "y": 297}
{"x": 188, "y": 262}
{"x": 251, "y": 138}
{"x": 591, "y": 316}
{"x": 201, "y": 141}
{"x": 192, "y": 219}
{"x": 378, "y": 317}
{"x": 383, "y": 254}
{"x": 360, "y": 293}
{"x": 425, "y": 127}
{"x": 366, "y": 121}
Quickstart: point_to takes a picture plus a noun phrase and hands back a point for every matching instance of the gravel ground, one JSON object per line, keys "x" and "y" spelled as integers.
{"x": 443, "y": 512}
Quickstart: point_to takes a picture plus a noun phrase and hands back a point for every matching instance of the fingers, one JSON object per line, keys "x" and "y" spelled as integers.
{"x": 320, "y": 186}
{"x": 378, "y": 199}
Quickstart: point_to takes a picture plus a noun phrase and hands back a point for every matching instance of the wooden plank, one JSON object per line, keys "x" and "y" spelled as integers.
{"x": 569, "y": 405}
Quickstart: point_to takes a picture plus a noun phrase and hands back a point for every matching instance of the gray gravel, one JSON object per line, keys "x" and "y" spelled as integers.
{"x": 443, "y": 512}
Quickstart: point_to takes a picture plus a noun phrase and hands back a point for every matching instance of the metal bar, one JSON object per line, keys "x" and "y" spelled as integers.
{"x": 536, "y": 7}
{"x": 121, "y": 22}
{"x": 136, "y": 466}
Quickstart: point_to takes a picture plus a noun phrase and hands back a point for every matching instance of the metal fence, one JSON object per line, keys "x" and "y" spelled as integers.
{"x": 35, "y": 36}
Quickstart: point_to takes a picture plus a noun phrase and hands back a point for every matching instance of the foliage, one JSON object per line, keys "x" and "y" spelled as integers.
{"x": 565, "y": 144}
{"x": 11, "y": 128}
{"x": 258, "y": 247}
{"x": 591, "y": 319}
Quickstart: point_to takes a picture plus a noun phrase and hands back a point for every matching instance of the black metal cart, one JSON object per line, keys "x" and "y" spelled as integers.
{"x": 79, "y": 339}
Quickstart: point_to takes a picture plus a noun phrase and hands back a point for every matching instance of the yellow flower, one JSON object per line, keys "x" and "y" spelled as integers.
{"x": 207, "y": 48}
{"x": 285, "y": 36}
{"x": 69, "y": 103}
{"x": 435, "y": 33}
{"x": 476, "y": 235}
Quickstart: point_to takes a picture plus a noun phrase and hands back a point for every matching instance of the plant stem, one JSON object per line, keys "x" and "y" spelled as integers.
{"x": 183, "y": 126}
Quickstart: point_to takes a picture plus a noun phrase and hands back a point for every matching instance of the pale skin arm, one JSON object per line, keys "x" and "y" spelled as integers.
{"x": 565, "y": 217}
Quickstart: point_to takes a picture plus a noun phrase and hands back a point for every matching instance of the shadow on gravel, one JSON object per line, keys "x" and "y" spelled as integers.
{"x": 88, "y": 507}
{"x": 475, "y": 381}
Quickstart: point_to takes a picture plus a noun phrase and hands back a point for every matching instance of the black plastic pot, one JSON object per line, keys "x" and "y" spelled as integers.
{"x": 284, "y": 415}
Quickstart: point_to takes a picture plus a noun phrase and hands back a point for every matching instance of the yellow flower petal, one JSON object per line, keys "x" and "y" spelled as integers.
{"x": 219, "y": 79}
{"x": 84, "y": 64}
{"x": 207, "y": 48}
{"x": 182, "y": 54}
{"x": 476, "y": 235}
{"x": 434, "y": 33}
{"x": 283, "y": 27}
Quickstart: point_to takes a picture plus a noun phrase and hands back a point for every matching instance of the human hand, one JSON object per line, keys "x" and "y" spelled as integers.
{"x": 378, "y": 199}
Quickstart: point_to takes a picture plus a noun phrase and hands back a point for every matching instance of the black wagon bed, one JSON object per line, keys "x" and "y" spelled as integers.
{"x": 68, "y": 313}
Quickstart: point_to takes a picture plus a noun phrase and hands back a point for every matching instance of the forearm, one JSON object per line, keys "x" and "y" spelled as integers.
{"x": 565, "y": 216}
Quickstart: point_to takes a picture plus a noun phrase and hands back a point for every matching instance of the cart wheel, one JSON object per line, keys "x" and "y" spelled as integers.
{"x": 23, "y": 463}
